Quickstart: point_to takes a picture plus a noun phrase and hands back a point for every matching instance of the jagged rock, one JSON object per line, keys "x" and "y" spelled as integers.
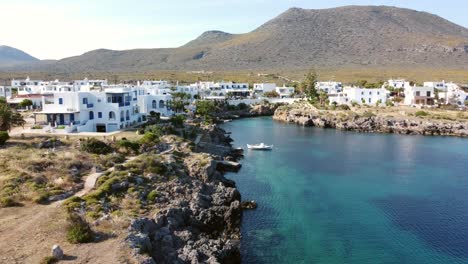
{"x": 249, "y": 205}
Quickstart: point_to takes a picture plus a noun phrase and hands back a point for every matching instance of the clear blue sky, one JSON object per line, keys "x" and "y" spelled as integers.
{"x": 54, "y": 29}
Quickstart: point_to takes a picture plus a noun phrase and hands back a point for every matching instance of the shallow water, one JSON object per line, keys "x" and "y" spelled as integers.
{"x": 328, "y": 196}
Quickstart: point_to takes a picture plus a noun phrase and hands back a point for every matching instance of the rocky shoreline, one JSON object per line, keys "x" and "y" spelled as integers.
{"x": 307, "y": 115}
{"x": 198, "y": 217}
{"x": 252, "y": 111}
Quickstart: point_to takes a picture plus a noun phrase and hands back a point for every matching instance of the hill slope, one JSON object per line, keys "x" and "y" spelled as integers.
{"x": 355, "y": 36}
{"x": 12, "y": 56}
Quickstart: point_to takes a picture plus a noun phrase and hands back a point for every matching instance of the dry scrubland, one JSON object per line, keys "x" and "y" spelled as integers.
{"x": 347, "y": 75}
{"x": 39, "y": 170}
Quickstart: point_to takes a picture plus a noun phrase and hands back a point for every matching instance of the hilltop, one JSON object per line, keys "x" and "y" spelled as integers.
{"x": 11, "y": 56}
{"x": 343, "y": 37}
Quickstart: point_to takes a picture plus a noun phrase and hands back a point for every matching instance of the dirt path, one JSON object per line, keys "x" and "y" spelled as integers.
{"x": 28, "y": 233}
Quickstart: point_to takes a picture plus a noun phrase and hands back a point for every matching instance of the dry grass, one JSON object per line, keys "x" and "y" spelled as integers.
{"x": 374, "y": 74}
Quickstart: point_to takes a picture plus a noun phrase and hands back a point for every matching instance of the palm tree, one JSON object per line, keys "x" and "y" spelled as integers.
{"x": 9, "y": 118}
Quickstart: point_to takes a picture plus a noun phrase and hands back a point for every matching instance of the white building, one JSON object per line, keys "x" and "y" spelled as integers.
{"x": 454, "y": 95}
{"x": 329, "y": 87}
{"x": 106, "y": 111}
{"x": 442, "y": 86}
{"x": 415, "y": 95}
{"x": 5, "y": 92}
{"x": 285, "y": 92}
{"x": 360, "y": 96}
{"x": 25, "y": 82}
{"x": 398, "y": 83}
{"x": 262, "y": 88}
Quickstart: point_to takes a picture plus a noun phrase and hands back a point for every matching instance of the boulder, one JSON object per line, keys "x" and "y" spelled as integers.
{"x": 57, "y": 252}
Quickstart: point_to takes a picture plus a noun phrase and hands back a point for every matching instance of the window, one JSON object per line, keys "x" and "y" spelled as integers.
{"x": 127, "y": 115}
{"x": 154, "y": 104}
{"x": 418, "y": 93}
{"x": 370, "y": 100}
{"x": 362, "y": 93}
{"x": 85, "y": 100}
{"x": 60, "y": 100}
{"x": 91, "y": 115}
{"x": 111, "y": 115}
{"x": 99, "y": 114}
{"x": 378, "y": 93}
{"x": 161, "y": 104}
{"x": 428, "y": 93}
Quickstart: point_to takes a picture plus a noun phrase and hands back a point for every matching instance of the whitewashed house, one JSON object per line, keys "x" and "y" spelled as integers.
{"x": 419, "y": 95}
{"x": 285, "y": 92}
{"x": 329, "y": 87}
{"x": 261, "y": 88}
{"x": 454, "y": 95}
{"x": 398, "y": 83}
{"x": 442, "y": 86}
{"x": 105, "y": 111}
{"x": 5, "y": 92}
{"x": 359, "y": 95}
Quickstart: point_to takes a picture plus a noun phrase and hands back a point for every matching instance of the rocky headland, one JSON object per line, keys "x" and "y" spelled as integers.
{"x": 373, "y": 120}
{"x": 198, "y": 215}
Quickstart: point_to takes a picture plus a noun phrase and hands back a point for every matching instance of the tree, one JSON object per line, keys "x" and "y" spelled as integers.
{"x": 271, "y": 94}
{"x": 25, "y": 103}
{"x": 308, "y": 86}
{"x": 323, "y": 96}
{"x": 179, "y": 101}
{"x": 9, "y": 118}
{"x": 205, "y": 108}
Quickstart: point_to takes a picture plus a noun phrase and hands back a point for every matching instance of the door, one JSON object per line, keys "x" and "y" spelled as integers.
{"x": 72, "y": 118}
{"x": 61, "y": 119}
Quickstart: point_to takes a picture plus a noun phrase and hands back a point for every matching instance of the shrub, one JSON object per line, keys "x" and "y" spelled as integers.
{"x": 421, "y": 113}
{"x": 152, "y": 196}
{"x": 128, "y": 145}
{"x": 78, "y": 230}
{"x": 389, "y": 103}
{"x": 3, "y": 137}
{"x": 368, "y": 114}
{"x": 96, "y": 146}
{"x": 36, "y": 127}
{"x": 7, "y": 202}
{"x": 149, "y": 138}
{"x": 242, "y": 106}
{"x": 49, "y": 260}
{"x": 178, "y": 120}
{"x": 344, "y": 107}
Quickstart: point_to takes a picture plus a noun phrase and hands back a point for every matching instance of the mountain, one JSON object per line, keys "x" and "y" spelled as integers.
{"x": 351, "y": 36}
{"x": 12, "y": 56}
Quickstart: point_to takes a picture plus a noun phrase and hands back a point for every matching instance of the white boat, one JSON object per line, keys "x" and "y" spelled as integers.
{"x": 260, "y": 146}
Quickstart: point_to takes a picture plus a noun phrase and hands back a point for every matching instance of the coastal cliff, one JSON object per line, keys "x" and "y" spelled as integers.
{"x": 367, "y": 120}
{"x": 198, "y": 214}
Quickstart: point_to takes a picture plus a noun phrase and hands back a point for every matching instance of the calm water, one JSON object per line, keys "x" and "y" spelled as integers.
{"x": 327, "y": 196}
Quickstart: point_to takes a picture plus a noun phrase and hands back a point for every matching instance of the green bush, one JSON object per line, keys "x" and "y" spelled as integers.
{"x": 128, "y": 145}
{"x": 242, "y": 106}
{"x": 78, "y": 230}
{"x": 7, "y": 202}
{"x": 96, "y": 146}
{"x": 178, "y": 120}
{"x": 152, "y": 196}
{"x": 49, "y": 260}
{"x": 3, "y": 137}
{"x": 389, "y": 103}
{"x": 149, "y": 138}
{"x": 421, "y": 113}
{"x": 344, "y": 107}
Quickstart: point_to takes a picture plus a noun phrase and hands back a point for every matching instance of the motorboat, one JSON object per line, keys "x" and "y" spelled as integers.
{"x": 261, "y": 146}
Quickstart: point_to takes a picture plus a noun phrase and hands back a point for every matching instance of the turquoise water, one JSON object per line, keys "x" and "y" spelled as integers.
{"x": 327, "y": 196}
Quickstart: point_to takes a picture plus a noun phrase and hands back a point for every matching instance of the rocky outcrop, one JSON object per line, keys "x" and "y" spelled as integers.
{"x": 309, "y": 116}
{"x": 263, "y": 109}
{"x": 197, "y": 221}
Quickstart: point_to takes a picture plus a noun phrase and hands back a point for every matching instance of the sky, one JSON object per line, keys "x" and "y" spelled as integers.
{"x": 55, "y": 29}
